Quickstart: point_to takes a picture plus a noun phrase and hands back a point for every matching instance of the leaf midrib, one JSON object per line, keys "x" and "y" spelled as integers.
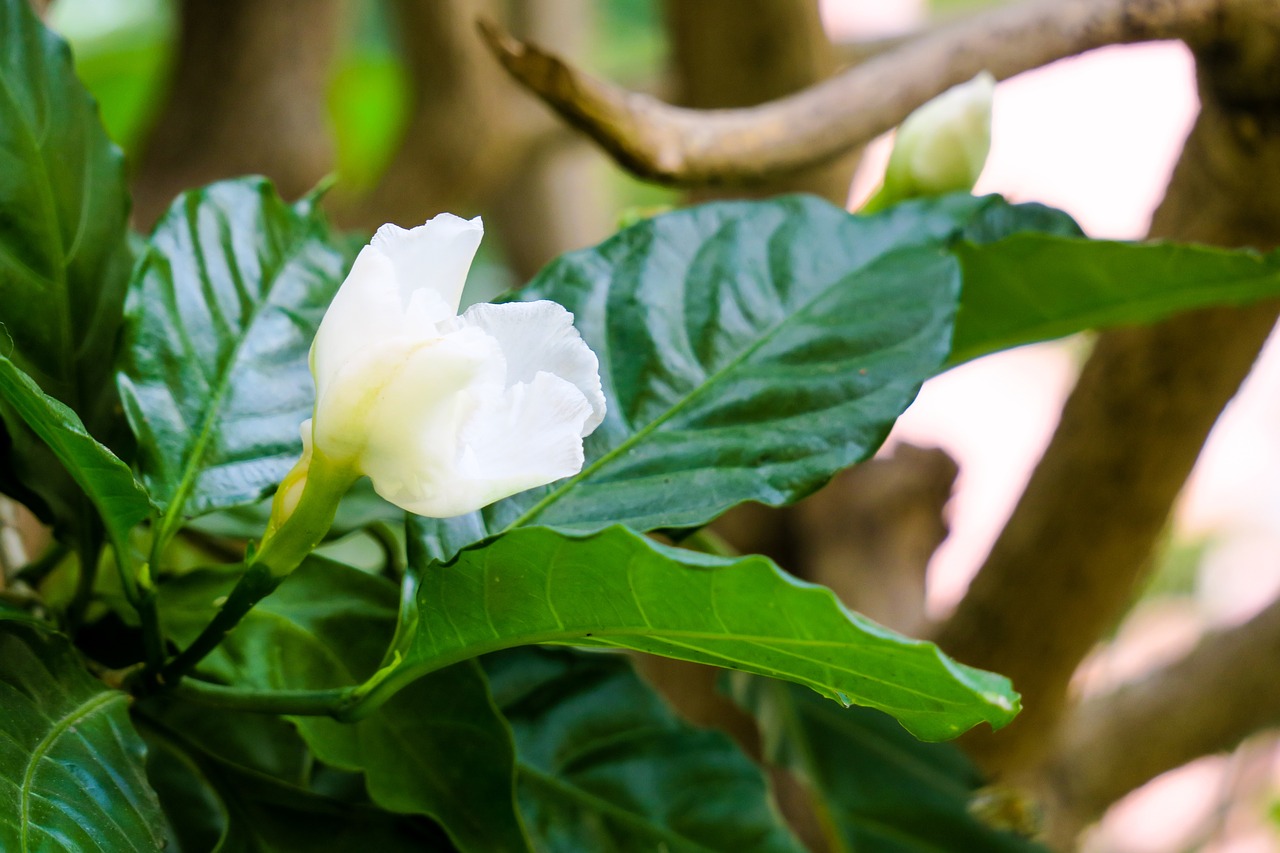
{"x": 80, "y": 712}
{"x": 682, "y": 404}
{"x": 195, "y": 459}
{"x": 49, "y": 206}
{"x": 601, "y": 637}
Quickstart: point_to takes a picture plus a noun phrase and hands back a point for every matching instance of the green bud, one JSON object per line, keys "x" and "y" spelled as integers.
{"x": 941, "y": 147}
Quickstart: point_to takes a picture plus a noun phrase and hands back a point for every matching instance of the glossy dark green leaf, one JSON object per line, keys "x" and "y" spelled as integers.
{"x": 64, "y": 256}
{"x": 1034, "y": 287}
{"x": 748, "y": 351}
{"x": 438, "y": 748}
{"x": 221, "y": 313}
{"x": 619, "y": 589}
{"x": 219, "y": 797}
{"x": 71, "y": 764}
{"x": 106, "y": 480}
{"x": 874, "y": 786}
{"x": 605, "y": 765}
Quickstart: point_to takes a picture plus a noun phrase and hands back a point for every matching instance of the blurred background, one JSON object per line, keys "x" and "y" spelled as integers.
{"x": 400, "y": 104}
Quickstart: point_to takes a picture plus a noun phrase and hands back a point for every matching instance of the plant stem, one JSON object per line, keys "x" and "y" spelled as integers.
{"x": 88, "y": 559}
{"x": 291, "y": 535}
{"x": 254, "y": 585}
{"x": 391, "y": 548}
{"x": 708, "y": 541}
{"x": 152, "y": 637}
{"x": 302, "y": 703}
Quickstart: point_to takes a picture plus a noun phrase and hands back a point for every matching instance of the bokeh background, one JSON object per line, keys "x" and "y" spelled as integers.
{"x": 408, "y": 115}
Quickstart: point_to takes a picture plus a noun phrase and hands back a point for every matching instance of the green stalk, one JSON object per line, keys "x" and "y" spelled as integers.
{"x": 300, "y": 703}
{"x": 290, "y": 537}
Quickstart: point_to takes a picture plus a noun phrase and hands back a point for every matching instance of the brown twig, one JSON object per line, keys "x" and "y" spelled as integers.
{"x": 678, "y": 146}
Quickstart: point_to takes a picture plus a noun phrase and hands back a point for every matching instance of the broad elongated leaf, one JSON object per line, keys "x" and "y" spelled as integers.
{"x": 875, "y": 787}
{"x": 619, "y": 589}
{"x": 748, "y": 352}
{"x": 219, "y": 796}
{"x": 605, "y": 765}
{"x": 106, "y": 480}
{"x": 64, "y": 256}
{"x": 71, "y": 765}
{"x": 438, "y": 748}
{"x": 221, "y": 314}
{"x": 1033, "y": 287}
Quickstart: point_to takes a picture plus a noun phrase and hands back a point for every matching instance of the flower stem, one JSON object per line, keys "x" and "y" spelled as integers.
{"x": 254, "y": 585}
{"x": 292, "y": 534}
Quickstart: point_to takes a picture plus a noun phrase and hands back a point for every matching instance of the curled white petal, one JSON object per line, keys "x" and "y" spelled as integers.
{"x": 522, "y": 436}
{"x": 433, "y": 257}
{"x": 446, "y": 414}
{"x": 402, "y": 283}
{"x": 539, "y": 337}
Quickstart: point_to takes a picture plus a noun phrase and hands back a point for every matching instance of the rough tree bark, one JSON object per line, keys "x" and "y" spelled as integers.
{"x": 740, "y": 53}
{"x": 1065, "y": 568}
{"x": 475, "y": 143}
{"x": 462, "y": 134}
{"x": 246, "y": 96}
{"x": 557, "y": 197}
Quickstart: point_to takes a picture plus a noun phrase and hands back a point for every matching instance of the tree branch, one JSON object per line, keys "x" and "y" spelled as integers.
{"x": 1066, "y": 566}
{"x": 1211, "y": 700}
{"x": 678, "y": 146}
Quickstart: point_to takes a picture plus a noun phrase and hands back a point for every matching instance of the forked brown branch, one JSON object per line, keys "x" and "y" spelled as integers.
{"x": 685, "y": 147}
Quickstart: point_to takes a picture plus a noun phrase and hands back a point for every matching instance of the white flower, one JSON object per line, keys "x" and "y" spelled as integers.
{"x": 943, "y": 145}
{"x": 447, "y": 413}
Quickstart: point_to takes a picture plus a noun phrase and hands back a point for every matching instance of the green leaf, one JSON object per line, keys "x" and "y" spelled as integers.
{"x": 221, "y": 313}
{"x": 1034, "y": 287}
{"x": 439, "y": 748}
{"x": 604, "y": 765}
{"x": 748, "y": 351}
{"x": 71, "y": 765}
{"x": 219, "y": 795}
{"x": 106, "y": 480}
{"x": 64, "y": 256}
{"x": 874, "y": 786}
{"x": 619, "y": 589}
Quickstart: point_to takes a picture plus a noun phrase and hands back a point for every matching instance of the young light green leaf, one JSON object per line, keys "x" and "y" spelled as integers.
{"x": 221, "y": 313}
{"x": 873, "y": 785}
{"x": 106, "y": 480}
{"x": 618, "y": 589}
{"x": 71, "y": 764}
{"x": 1034, "y": 287}
{"x": 328, "y": 626}
{"x": 64, "y": 255}
{"x": 594, "y": 745}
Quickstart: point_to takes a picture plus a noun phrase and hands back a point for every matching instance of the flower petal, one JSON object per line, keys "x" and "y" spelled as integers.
{"x": 527, "y": 435}
{"x": 435, "y": 256}
{"x": 398, "y": 405}
{"x": 403, "y": 283}
{"x": 366, "y": 308}
{"x": 539, "y": 337}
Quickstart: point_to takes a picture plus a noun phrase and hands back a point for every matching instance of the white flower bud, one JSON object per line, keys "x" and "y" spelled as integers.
{"x": 942, "y": 146}
{"x": 446, "y": 413}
